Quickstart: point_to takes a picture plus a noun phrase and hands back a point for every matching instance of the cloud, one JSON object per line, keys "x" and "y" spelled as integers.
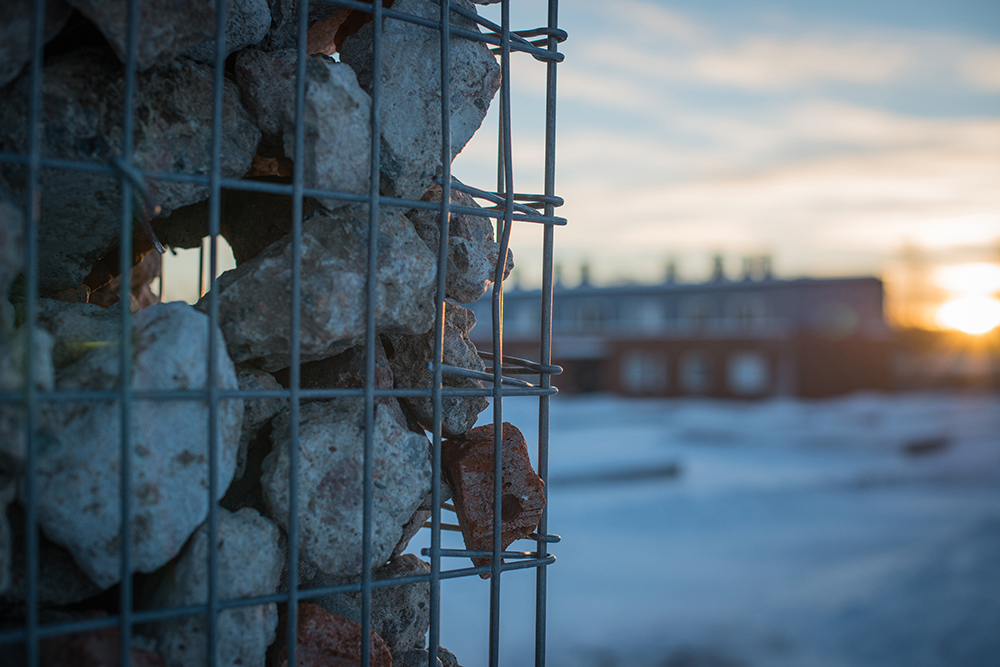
{"x": 981, "y": 68}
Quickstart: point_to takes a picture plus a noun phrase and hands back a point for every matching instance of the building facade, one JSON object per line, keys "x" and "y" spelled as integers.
{"x": 751, "y": 338}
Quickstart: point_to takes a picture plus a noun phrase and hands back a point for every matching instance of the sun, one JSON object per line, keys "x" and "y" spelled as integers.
{"x": 973, "y": 314}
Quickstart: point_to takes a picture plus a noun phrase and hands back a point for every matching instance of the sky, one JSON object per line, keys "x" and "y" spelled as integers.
{"x": 836, "y": 137}
{"x": 840, "y": 138}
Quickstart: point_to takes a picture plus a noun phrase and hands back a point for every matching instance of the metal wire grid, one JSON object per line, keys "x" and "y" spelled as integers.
{"x": 509, "y": 207}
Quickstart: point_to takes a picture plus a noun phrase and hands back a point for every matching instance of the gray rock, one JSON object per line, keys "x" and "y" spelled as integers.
{"x": 409, "y": 357}
{"x": 420, "y": 515}
{"x": 166, "y": 28}
{"x": 411, "y": 93}
{"x": 60, "y": 580}
{"x": 14, "y": 359}
{"x": 400, "y": 614}
{"x": 246, "y": 24}
{"x": 78, "y": 463}
{"x": 416, "y": 657}
{"x": 249, "y": 563}
{"x": 11, "y": 259}
{"x": 78, "y": 328}
{"x": 447, "y": 658}
{"x": 331, "y": 448}
{"x": 82, "y": 102}
{"x": 337, "y": 116}
{"x": 255, "y": 303}
{"x": 8, "y": 490}
{"x": 16, "y": 31}
{"x": 257, "y": 412}
{"x": 472, "y": 252}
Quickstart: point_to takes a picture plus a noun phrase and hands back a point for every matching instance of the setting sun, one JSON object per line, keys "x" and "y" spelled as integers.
{"x": 973, "y": 314}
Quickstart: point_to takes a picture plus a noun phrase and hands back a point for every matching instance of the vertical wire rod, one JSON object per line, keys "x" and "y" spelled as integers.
{"x": 294, "y": 399}
{"x": 215, "y": 205}
{"x": 125, "y": 363}
{"x": 434, "y": 631}
{"x": 371, "y": 289}
{"x": 545, "y": 380}
{"x": 31, "y": 221}
{"x": 508, "y": 190}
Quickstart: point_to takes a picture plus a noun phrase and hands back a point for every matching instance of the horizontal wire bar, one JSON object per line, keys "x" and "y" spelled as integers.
{"x": 87, "y": 395}
{"x": 481, "y": 553}
{"x": 517, "y": 362}
{"x": 527, "y": 214}
{"x": 150, "y": 615}
{"x": 477, "y": 375}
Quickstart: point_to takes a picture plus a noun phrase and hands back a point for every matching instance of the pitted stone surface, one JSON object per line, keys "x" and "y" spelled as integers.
{"x": 78, "y": 466}
{"x": 255, "y": 303}
{"x": 326, "y": 640}
{"x": 337, "y": 116}
{"x": 331, "y": 448}
{"x": 8, "y": 491}
{"x": 411, "y": 92}
{"x": 409, "y": 358}
{"x": 469, "y": 464}
{"x": 472, "y": 252}
{"x": 247, "y": 23}
{"x": 165, "y": 29}
{"x": 14, "y": 360}
{"x": 249, "y": 562}
{"x": 16, "y": 31}
{"x": 82, "y": 98}
{"x": 257, "y": 412}
{"x": 400, "y": 614}
{"x": 11, "y": 259}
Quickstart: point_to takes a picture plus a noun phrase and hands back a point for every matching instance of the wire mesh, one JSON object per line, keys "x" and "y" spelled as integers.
{"x": 507, "y": 207}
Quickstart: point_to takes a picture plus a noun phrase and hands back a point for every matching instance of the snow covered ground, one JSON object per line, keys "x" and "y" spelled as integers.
{"x": 797, "y": 534}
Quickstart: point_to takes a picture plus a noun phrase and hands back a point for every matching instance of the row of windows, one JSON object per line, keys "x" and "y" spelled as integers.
{"x": 747, "y": 373}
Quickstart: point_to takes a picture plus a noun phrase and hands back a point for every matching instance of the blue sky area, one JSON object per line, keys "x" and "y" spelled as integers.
{"x": 829, "y": 135}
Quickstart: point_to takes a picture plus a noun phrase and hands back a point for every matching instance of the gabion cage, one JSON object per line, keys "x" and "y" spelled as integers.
{"x": 28, "y": 625}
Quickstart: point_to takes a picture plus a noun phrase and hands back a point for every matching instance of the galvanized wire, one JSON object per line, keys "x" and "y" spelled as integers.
{"x": 508, "y": 207}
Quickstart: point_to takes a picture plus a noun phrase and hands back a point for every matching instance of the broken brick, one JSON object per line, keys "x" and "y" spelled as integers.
{"x": 326, "y": 640}
{"x": 469, "y": 464}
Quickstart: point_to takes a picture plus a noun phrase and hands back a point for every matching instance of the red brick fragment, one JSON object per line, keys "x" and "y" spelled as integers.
{"x": 326, "y": 640}
{"x": 469, "y": 464}
{"x": 92, "y": 648}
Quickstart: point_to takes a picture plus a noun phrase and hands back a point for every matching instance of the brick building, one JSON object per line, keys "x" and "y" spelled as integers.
{"x": 750, "y": 338}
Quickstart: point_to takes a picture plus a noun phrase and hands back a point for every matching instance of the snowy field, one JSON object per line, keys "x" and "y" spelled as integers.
{"x": 797, "y": 534}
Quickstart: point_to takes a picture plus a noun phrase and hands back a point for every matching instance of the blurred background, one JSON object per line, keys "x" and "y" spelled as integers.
{"x": 777, "y": 439}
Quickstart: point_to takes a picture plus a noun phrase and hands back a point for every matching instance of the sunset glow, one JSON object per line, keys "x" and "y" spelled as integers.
{"x": 976, "y": 278}
{"x": 974, "y": 314}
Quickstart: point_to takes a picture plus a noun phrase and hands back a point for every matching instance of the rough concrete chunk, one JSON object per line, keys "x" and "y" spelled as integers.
{"x": 249, "y": 561}
{"x": 411, "y": 92}
{"x": 82, "y": 98}
{"x": 14, "y": 360}
{"x": 165, "y": 29}
{"x": 400, "y": 614}
{"x": 472, "y": 252}
{"x": 78, "y": 465}
{"x": 409, "y": 356}
{"x": 337, "y": 116}
{"x": 246, "y": 24}
{"x": 469, "y": 464}
{"x": 331, "y": 447}
{"x": 257, "y": 412}
{"x": 255, "y": 297}
{"x": 16, "y": 31}
{"x": 11, "y": 259}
